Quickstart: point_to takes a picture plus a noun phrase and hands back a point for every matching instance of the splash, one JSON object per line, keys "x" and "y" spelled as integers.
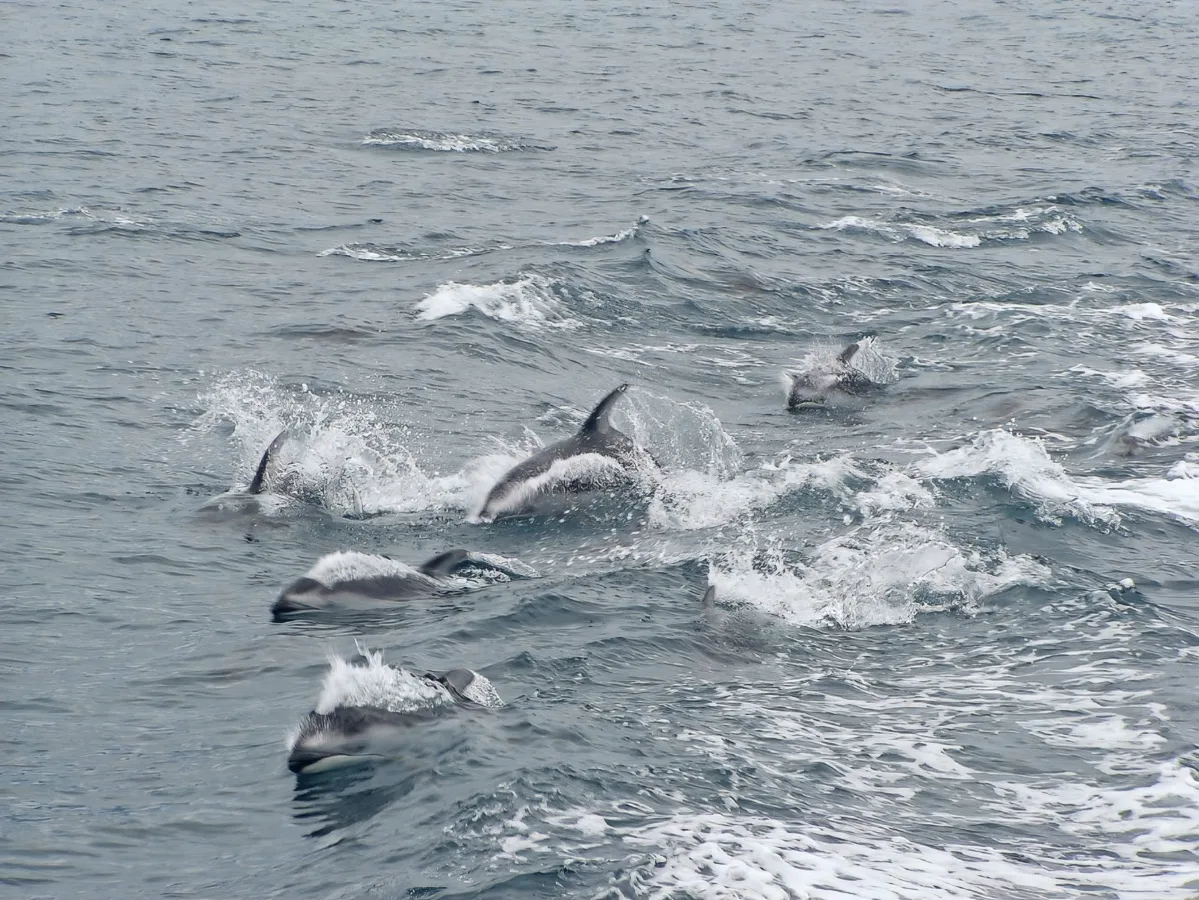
{"x": 528, "y": 302}
{"x": 379, "y": 685}
{"x": 337, "y": 568}
{"x": 877, "y": 574}
{"x": 339, "y": 455}
{"x": 1024, "y": 467}
{"x": 689, "y": 499}
{"x": 618, "y": 238}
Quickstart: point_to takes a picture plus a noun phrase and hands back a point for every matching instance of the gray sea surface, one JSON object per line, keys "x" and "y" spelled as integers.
{"x": 955, "y": 641}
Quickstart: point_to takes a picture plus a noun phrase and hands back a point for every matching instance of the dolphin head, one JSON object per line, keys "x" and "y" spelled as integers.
{"x": 302, "y": 595}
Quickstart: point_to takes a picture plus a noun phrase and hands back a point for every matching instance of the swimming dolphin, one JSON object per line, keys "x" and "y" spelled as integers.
{"x": 817, "y": 386}
{"x": 249, "y": 499}
{"x": 570, "y": 466}
{"x": 350, "y": 734}
{"x": 347, "y": 579}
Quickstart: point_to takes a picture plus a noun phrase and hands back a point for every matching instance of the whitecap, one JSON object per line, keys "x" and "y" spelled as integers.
{"x": 529, "y": 302}
{"x": 1025, "y": 468}
{"x": 445, "y": 141}
{"x": 368, "y": 252}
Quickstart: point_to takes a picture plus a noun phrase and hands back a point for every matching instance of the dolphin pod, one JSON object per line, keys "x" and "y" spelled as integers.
{"x": 373, "y": 724}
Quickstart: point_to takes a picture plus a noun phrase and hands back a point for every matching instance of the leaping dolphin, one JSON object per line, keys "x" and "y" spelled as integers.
{"x": 595, "y": 457}
{"x": 348, "y": 734}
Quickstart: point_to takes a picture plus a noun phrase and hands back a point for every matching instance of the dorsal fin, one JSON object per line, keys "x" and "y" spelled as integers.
{"x": 444, "y": 563}
{"x": 260, "y": 474}
{"x": 710, "y": 595}
{"x": 847, "y": 353}
{"x": 597, "y": 422}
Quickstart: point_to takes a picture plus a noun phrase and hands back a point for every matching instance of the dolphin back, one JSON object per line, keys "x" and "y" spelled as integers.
{"x": 260, "y": 473}
{"x": 597, "y": 422}
{"x": 445, "y": 563}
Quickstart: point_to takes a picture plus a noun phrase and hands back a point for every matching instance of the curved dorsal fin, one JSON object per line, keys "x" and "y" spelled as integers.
{"x": 260, "y": 474}
{"x": 444, "y": 563}
{"x": 710, "y": 595}
{"x": 597, "y": 422}
{"x": 848, "y": 353}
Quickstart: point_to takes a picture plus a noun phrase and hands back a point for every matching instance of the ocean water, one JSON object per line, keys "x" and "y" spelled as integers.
{"x": 955, "y": 643}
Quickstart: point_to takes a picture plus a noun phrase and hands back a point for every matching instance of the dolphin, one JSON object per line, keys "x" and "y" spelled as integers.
{"x": 249, "y": 499}
{"x": 352, "y": 734}
{"x": 818, "y": 386}
{"x": 571, "y": 466}
{"x": 347, "y": 579}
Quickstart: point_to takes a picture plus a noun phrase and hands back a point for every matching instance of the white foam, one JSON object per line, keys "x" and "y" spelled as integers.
{"x": 898, "y": 231}
{"x": 894, "y": 491}
{"x": 876, "y": 574}
{"x": 337, "y": 568}
{"x": 377, "y": 253}
{"x": 1142, "y": 311}
{"x": 724, "y": 855}
{"x": 444, "y": 141}
{"x": 339, "y": 454}
{"x": 380, "y": 685}
{"x": 528, "y": 302}
{"x": 617, "y": 238}
{"x": 1018, "y": 225}
{"x": 1124, "y": 379}
{"x": 1175, "y": 496}
{"x": 1026, "y": 468}
{"x": 939, "y": 237}
{"x": 690, "y": 499}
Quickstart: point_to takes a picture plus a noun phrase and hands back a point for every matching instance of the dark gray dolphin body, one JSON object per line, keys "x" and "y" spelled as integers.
{"x": 351, "y": 734}
{"x": 248, "y": 500}
{"x": 516, "y": 492}
{"x": 815, "y": 388}
{"x": 378, "y": 578}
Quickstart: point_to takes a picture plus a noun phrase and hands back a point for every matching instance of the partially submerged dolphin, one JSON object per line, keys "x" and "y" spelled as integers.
{"x": 249, "y": 498}
{"x": 349, "y": 733}
{"x": 854, "y": 372}
{"x": 595, "y": 457}
{"x": 815, "y": 387}
{"x": 347, "y": 579}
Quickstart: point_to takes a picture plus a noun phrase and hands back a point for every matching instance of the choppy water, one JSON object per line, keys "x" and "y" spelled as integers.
{"x": 428, "y": 237}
